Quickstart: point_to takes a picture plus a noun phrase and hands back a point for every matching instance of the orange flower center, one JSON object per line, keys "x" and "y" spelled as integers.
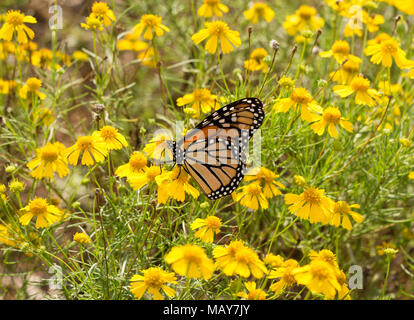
{"x": 213, "y": 223}
{"x": 201, "y": 95}
{"x": 49, "y": 153}
{"x": 389, "y": 46}
{"x": 312, "y": 195}
{"x": 108, "y": 132}
{"x": 254, "y": 189}
{"x": 332, "y": 115}
{"x": 192, "y": 255}
{"x": 150, "y": 20}
{"x": 259, "y": 8}
{"x": 301, "y": 96}
{"x": 341, "y": 47}
{"x": 15, "y": 18}
{"x": 359, "y": 84}
{"x": 265, "y": 176}
{"x": 85, "y": 143}
{"x": 320, "y": 271}
{"x": 153, "y": 278}
{"x": 258, "y": 55}
{"x": 306, "y": 12}
{"x": 138, "y": 161}
{"x": 38, "y": 206}
{"x": 243, "y": 255}
{"x": 218, "y": 28}
{"x": 341, "y": 207}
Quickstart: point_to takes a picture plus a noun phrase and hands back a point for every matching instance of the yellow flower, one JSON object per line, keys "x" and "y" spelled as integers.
{"x": 208, "y": 227}
{"x": 251, "y": 196}
{"x": 304, "y": 19}
{"x": 92, "y": 23}
{"x": 42, "y": 58}
{"x": 372, "y": 21}
{"x": 287, "y": 83}
{"x": 389, "y": 89}
{"x": 147, "y": 174}
{"x": 411, "y": 175}
{"x": 342, "y": 211}
{"x": 343, "y": 292}
{"x": 152, "y": 174}
{"x": 32, "y": 86}
{"x": 236, "y": 258}
{"x": 285, "y": 275}
{"x": 45, "y": 213}
{"x": 81, "y": 237}
{"x": 257, "y": 10}
{"x": 137, "y": 163}
{"x": 256, "y": 60}
{"x": 331, "y": 117}
{"x": 330, "y": 258}
{"x": 50, "y": 159}
{"x": 153, "y": 279}
{"x": 359, "y": 85}
{"x": 178, "y": 185}
{"x": 92, "y": 149}
{"x": 268, "y": 179}
{"x": 111, "y": 137}
{"x": 147, "y": 57}
{"x": 406, "y": 6}
{"x": 15, "y": 22}
{"x": 210, "y": 7}
{"x": 190, "y": 261}
{"x": 325, "y": 255}
{"x": 253, "y": 292}
{"x": 387, "y": 51}
{"x": 80, "y": 55}
{"x": 319, "y": 277}
{"x": 45, "y": 116}
{"x": 387, "y": 248}
{"x": 340, "y": 51}
{"x": 299, "y": 98}
{"x": 201, "y": 100}
{"x": 131, "y": 42}
{"x": 311, "y": 205}
{"x": 149, "y": 24}
{"x": 157, "y": 146}
{"x": 218, "y": 31}
{"x": 102, "y": 11}
{"x": 348, "y": 71}
{"x": 274, "y": 261}
{"x": 4, "y": 86}
{"x": 299, "y": 180}
{"x": 6, "y": 236}
{"x": 16, "y": 186}
{"x": 355, "y": 20}
{"x": 379, "y": 38}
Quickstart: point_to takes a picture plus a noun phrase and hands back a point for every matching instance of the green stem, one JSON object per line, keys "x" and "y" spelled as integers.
{"x": 222, "y": 73}
{"x": 386, "y": 276}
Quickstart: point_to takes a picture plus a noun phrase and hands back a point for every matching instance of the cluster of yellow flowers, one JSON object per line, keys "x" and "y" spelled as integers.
{"x": 321, "y": 275}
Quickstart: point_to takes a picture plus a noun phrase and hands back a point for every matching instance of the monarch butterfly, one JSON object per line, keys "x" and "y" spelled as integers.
{"x": 213, "y": 152}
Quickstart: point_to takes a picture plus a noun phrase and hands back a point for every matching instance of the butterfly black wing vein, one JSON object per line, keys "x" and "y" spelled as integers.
{"x": 213, "y": 152}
